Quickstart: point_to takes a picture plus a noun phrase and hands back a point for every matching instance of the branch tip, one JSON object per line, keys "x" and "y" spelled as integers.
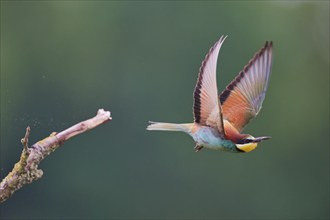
{"x": 105, "y": 113}
{"x": 25, "y": 140}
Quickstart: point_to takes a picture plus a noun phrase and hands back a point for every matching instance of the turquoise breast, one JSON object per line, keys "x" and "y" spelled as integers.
{"x": 210, "y": 138}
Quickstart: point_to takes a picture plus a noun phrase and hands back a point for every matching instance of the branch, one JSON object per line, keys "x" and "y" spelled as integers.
{"x": 26, "y": 169}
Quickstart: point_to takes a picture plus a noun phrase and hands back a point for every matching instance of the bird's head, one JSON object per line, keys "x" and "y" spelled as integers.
{"x": 249, "y": 143}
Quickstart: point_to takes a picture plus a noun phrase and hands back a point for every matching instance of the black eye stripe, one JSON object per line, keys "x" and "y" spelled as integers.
{"x": 244, "y": 141}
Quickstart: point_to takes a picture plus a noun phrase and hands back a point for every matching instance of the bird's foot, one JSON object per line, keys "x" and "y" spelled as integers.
{"x": 198, "y": 147}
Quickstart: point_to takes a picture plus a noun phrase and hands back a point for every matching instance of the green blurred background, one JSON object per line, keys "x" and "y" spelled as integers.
{"x": 63, "y": 60}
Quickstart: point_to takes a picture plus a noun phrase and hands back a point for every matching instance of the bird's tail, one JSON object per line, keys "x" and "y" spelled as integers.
{"x": 159, "y": 126}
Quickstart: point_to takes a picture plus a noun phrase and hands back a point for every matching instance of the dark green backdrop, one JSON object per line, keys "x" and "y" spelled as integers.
{"x": 62, "y": 60}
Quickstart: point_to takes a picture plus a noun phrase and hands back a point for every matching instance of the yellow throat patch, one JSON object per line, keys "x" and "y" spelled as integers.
{"x": 247, "y": 147}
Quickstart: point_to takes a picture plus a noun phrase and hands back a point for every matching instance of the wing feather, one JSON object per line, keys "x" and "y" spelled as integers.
{"x": 242, "y": 99}
{"x": 207, "y": 109}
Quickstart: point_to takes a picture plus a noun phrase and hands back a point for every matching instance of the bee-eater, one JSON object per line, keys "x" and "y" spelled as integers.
{"x": 219, "y": 120}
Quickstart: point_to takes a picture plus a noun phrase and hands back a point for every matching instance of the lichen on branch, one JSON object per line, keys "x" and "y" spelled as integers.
{"x": 26, "y": 170}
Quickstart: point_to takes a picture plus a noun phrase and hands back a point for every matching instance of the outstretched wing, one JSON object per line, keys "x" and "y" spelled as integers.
{"x": 207, "y": 109}
{"x": 242, "y": 99}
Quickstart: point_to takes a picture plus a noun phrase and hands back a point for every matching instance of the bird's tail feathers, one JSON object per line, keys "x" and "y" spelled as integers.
{"x": 160, "y": 126}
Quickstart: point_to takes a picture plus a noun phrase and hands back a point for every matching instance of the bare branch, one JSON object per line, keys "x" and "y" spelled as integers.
{"x": 26, "y": 169}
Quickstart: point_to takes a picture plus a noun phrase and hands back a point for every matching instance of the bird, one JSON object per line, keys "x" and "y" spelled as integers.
{"x": 220, "y": 119}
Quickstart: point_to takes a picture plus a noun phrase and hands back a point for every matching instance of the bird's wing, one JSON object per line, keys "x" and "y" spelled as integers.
{"x": 207, "y": 109}
{"x": 242, "y": 99}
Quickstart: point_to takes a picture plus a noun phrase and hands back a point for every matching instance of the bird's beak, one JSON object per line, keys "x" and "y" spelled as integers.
{"x": 259, "y": 139}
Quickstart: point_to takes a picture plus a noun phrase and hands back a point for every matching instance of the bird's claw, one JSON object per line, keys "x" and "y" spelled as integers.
{"x": 198, "y": 148}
